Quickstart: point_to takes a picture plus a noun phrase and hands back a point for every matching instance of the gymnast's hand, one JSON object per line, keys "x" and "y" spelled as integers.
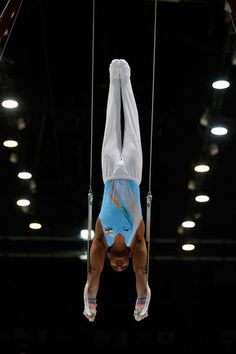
{"x": 92, "y": 312}
{"x": 141, "y": 306}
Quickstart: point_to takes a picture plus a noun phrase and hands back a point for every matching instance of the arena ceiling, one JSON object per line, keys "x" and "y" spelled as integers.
{"x": 47, "y": 65}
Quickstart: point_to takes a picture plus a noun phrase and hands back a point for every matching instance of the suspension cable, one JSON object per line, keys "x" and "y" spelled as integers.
{"x": 8, "y": 15}
{"x": 228, "y": 9}
{"x": 90, "y": 193}
{"x": 92, "y": 95}
{"x": 149, "y": 195}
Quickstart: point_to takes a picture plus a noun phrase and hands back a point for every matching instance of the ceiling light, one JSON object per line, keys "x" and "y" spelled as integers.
{"x": 10, "y": 104}
{"x": 84, "y": 234}
{"x": 188, "y": 247}
{"x": 83, "y": 257}
{"x": 35, "y": 226}
{"x": 24, "y": 175}
{"x": 201, "y": 168}
{"x": 219, "y": 131}
{"x": 188, "y": 224}
{"x": 23, "y": 202}
{"x": 10, "y": 143}
{"x": 202, "y": 198}
{"x": 220, "y": 84}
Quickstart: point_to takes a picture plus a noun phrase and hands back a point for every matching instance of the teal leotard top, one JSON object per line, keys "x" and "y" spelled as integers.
{"x": 121, "y": 210}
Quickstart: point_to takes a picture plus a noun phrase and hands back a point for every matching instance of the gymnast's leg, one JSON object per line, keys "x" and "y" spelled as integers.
{"x": 132, "y": 148}
{"x": 111, "y": 148}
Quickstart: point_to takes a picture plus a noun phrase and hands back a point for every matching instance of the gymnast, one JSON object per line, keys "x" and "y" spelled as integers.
{"x": 120, "y": 228}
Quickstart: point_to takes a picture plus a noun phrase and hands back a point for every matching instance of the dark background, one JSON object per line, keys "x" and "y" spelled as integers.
{"x": 47, "y": 65}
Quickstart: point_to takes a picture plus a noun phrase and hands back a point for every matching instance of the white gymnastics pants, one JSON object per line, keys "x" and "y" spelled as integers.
{"x": 121, "y": 161}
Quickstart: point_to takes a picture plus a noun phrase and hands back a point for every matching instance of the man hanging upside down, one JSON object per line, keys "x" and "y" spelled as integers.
{"x": 120, "y": 228}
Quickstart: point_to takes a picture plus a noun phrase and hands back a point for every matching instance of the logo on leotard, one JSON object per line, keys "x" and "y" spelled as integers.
{"x": 108, "y": 230}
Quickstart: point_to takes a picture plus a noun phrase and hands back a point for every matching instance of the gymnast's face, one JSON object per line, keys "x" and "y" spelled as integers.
{"x": 119, "y": 260}
{"x": 119, "y": 263}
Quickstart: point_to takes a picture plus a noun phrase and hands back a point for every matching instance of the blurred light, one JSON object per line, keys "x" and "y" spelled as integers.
{"x": 180, "y": 230}
{"x": 219, "y": 131}
{"x": 234, "y": 58}
{"x": 33, "y": 186}
{"x": 188, "y": 247}
{"x": 202, "y": 198}
{"x": 201, "y": 168}
{"x": 220, "y": 84}
{"x": 213, "y": 149}
{"x": 83, "y": 257}
{"x": 21, "y": 123}
{"x": 25, "y": 209}
{"x": 84, "y": 234}
{"x": 23, "y": 202}
{"x": 197, "y": 215}
{"x": 13, "y": 158}
{"x": 191, "y": 185}
{"x": 10, "y": 143}
{"x": 35, "y": 225}
{"x": 188, "y": 224}
{"x": 10, "y": 104}
{"x": 24, "y": 175}
{"x": 204, "y": 120}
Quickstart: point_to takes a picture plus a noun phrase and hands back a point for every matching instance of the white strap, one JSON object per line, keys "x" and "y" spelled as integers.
{"x": 148, "y": 298}
{"x": 86, "y": 303}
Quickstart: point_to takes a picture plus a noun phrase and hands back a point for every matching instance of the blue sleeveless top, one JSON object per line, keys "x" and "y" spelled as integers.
{"x": 121, "y": 210}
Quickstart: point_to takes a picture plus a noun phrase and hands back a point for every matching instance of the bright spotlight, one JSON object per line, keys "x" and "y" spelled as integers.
{"x": 9, "y": 104}
{"x": 188, "y": 247}
{"x": 202, "y": 198}
{"x": 188, "y": 224}
{"x": 201, "y": 168}
{"x": 219, "y": 131}
{"x": 23, "y": 202}
{"x": 35, "y": 226}
{"x": 84, "y": 234}
{"x": 220, "y": 84}
{"x": 10, "y": 143}
{"x": 24, "y": 175}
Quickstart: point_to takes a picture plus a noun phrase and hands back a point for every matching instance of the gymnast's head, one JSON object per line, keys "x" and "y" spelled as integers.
{"x": 119, "y": 254}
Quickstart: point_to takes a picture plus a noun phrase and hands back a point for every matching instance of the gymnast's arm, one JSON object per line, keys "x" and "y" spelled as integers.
{"x": 97, "y": 256}
{"x": 139, "y": 260}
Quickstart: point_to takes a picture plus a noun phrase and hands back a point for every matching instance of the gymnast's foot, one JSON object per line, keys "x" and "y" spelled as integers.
{"x": 114, "y": 70}
{"x": 124, "y": 70}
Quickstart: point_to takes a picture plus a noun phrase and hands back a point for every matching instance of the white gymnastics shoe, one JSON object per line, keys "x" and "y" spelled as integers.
{"x": 114, "y": 70}
{"x": 124, "y": 70}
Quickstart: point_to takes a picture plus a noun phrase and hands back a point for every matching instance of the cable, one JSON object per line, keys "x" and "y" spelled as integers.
{"x": 90, "y": 193}
{"x": 149, "y": 195}
{"x": 228, "y": 9}
{"x": 6, "y": 16}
